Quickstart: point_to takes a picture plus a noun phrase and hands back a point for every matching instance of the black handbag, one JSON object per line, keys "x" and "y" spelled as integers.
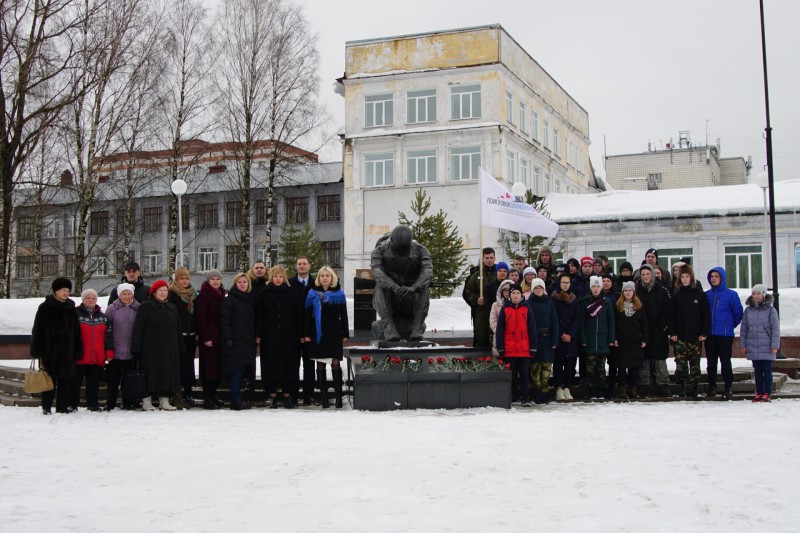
{"x": 134, "y": 383}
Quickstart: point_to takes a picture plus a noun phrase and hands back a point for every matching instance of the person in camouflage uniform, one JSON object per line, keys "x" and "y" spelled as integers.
{"x": 691, "y": 321}
{"x": 481, "y": 305}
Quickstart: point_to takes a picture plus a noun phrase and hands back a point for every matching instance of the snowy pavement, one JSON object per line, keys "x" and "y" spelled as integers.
{"x": 666, "y": 467}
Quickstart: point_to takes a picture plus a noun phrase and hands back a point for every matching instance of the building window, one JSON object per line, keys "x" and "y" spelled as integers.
{"x": 207, "y": 216}
{"x": 421, "y": 106}
{"x": 329, "y": 208}
{"x": 557, "y": 185}
{"x": 297, "y": 210}
{"x": 99, "y": 223}
{"x": 50, "y": 227}
{"x": 184, "y": 217}
{"x": 653, "y": 181}
{"x": 535, "y": 125}
{"x": 151, "y": 263}
{"x": 69, "y": 263}
{"x": 557, "y": 144}
{"x": 421, "y": 166}
{"x": 232, "y": 258}
{"x": 122, "y": 259}
{"x": 465, "y": 102}
{"x": 546, "y": 184}
{"x": 509, "y": 107}
{"x": 536, "y": 175}
{"x": 119, "y": 220}
{"x": 378, "y": 110}
{"x": 523, "y": 117}
{"x": 464, "y": 163}
{"x": 233, "y": 214}
{"x": 332, "y": 253}
{"x": 545, "y": 134}
{"x": 26, "y": 228}
{"x": 524, "y": 172}
{"x": 261, "y": 212}
{"x": 797, "y": 263}
{"x": 24, "y": 266}
{"x": 379, "y": 170}
{"x": 744, "y": 266}
{"x": 50, "y": 266}
{"x": 511, "y": 166}
{"x": 270, "y": 258}
{"x": 98, "y": 265}
{"x": 669, "y": 256}
{"x": 151, "y": 219}
{"x": 206, "y": 258}
{"x": 70, "y": 225}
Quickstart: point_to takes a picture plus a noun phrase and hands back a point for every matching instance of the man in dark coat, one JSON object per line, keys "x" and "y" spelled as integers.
{"x": 258, "y": 280}
{"x": 301, "y": 283}
{"x": 481, "y": 305}
{"x": 56, "y": 342}
{"x": 133, "y": 276}
{"x": 655, "y": 298}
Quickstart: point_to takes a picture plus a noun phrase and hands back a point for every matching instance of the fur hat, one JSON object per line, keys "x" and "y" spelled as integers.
{"x": 213, "y": 273}
{"x": 88, "y": 292}
{"x": 61, "y": 283}
{"x": 595, "y": 281}
{"x": 125, "y": 287}
{"x": 538, "y": 282}
{"x": 759, "y": 287}
{"x": 528, "y": 270}
{"x": 502, "y": 265}
{"x": 629, "y": 285}
{"x": 587, "y": 261}
{"x": 181, "y": 273}
{"x": 157, "y": 285}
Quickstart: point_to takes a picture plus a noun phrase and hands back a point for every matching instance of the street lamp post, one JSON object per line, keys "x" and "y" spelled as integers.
{"x": 178, "y": 189}
{"x": 762, "y": 180}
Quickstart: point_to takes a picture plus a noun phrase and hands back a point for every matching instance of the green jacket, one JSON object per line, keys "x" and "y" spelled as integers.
{"x": 598, "y": 328}
{"x": 472, "y": 290}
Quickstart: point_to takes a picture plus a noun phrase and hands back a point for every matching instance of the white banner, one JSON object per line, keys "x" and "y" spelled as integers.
{"x": 499, "y": 209}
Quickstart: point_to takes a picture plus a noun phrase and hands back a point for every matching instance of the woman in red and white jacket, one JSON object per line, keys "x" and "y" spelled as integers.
{"x": 516, "y": 341}
{"x": 98, "y": 347}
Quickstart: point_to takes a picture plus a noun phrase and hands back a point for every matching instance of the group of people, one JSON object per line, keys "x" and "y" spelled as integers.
{"x": 549, "y": 319}
{"x": 161, "y": 328}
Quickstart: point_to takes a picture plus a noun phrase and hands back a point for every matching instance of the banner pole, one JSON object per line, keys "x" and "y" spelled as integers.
{"x": 480, "y": 262}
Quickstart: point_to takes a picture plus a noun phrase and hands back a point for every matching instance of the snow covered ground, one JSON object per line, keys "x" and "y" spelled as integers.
{"x": 670, "y": 467}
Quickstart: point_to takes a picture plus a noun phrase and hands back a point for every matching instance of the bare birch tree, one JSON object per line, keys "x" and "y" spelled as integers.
{"x": 267, "y": 84}
{"x": 38, "y": 46}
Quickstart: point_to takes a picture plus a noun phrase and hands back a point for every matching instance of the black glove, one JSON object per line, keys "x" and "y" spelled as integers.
{"x": 229, "y": 344}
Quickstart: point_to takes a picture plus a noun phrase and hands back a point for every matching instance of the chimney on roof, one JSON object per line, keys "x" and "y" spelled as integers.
{"x": 66, "y": 178}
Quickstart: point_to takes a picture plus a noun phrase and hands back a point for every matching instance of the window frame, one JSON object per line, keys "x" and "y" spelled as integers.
{"x": 99, "y": 223}
{"x": 207, "y": 215}
{"x": 296, "y": 209}
{"x": 427, "y": 97}
{"x": 334, "y": 248}
{"x": 458, "y": 155}
{"x": 732, "y": 269}
{"x": 151, "y": 219}
{"x": 459, "y": 94}
{"x": 207, "y": 258}
{"x": 329, "y": 208}
{"x": 386, "y": 163}
{"x": 385, "y": 103}
{"x": 425, "y": 160}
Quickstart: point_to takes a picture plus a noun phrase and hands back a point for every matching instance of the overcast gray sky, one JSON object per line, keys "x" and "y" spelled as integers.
{"x": 643, "y": 69}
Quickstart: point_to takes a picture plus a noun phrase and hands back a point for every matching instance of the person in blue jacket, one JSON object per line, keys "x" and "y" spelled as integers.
{"x": 726, "y": 314}
{"x": 547, "y": 332}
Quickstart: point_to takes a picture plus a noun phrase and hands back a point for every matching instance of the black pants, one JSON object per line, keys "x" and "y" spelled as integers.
{"x": 210, "y": 387}
{"x": 520, "y": 375}
{"x": 116, "y": 367}
{"x": 62, "y": 394}
{"x": 564, "y": 370}
{"x": 628, "y": 375}
{"x": 187, "y": 363}
{"x": 719, "y": 348}
{"x": 92, "y": 373}
{"x": 309, "y": 376}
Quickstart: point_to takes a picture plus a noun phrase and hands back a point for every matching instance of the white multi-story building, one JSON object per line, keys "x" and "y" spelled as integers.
{"x": 427, "y": 110}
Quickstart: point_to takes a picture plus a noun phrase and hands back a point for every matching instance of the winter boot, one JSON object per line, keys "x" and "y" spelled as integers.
{"x": 663, "y": 390}
{"x": 634, "y": 392}
{"x": 164, "y": 405}
{"x": 622, "y": 392}
{"x": 274, "y": 402}
{"x": 728, "y": 394}
{"x": 567, "y": 394}
{"x": 712, "y": 390}
{"x": 177, "y": 401}
{"x": 560, "y": 394}
{"x": 147, "y": 404}
{"x": 322, "y": 383}
{"x": 287, "y": 402}
{"x": 337, "y": 386}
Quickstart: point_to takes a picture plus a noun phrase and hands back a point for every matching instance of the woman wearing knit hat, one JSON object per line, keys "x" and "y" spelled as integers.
{"x": 597, "y": 335}
{"x": 237, "y": 322}
{"x": 98, "y": 347}
{"x": 547, "y": 332}
{"x": 182, "y": 295}
{"x": 121, "y": 315}
{"x": 158, "y": 342}
{"x": 567, "y": 308}
{"x": 56, "y": 341}
{"x": 207, "y": 317}
{"x": 632, "y": 336}
{"x": 691, "y": 322}
{"x": 760, "y": 338}
{"x": 528, "y": 275}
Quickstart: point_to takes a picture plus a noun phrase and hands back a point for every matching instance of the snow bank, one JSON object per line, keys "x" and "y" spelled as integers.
{"x": 660, "y": 468}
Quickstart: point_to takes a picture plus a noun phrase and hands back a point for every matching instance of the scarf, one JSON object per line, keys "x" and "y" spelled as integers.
{"x": 594, "y": 309}
{"x": 316, "y": 299}
{"x": 627, "y": 307}
{"x": 187, "y": 295}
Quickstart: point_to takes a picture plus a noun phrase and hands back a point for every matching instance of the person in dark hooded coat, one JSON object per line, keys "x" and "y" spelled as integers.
{"x": 279, "y": 331}
{"x": 238, "y": 321}
{"x": 655, "y": 298}
{"x": 56, "y": 342}
{"x": 632, "y": 337}
{"x": 569, "y": 321}
{"x": 207, "y": 309}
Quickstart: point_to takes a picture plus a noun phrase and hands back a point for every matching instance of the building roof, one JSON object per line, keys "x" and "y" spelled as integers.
{"x": 619, "y": 205}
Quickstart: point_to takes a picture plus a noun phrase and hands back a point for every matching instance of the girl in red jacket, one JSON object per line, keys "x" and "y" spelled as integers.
{"x": 516, "y": 341}
{"x": 98, "y": 347}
